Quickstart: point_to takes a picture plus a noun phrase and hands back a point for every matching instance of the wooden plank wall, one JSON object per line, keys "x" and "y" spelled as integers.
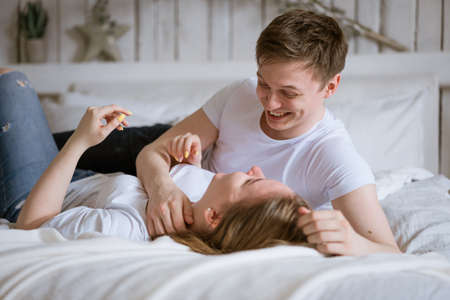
{"x": 219, "y": 30}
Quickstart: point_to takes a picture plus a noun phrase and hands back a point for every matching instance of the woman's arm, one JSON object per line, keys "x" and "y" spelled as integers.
{"x": 46, "y": 197}
{"x": 356, "y": 226}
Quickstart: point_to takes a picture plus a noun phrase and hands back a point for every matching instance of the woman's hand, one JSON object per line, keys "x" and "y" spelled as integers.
{"x": 91, "y": 131}
{"x": 331, "y": 231}
{"x": 186, "y": 148}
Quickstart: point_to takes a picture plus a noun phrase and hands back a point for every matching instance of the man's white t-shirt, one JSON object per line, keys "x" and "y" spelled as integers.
{"x": 114, "y": 204}
{"x": 319, "y": 165}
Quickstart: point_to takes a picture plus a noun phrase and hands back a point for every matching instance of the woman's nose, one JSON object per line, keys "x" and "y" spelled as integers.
{"x": 256, "y": 171}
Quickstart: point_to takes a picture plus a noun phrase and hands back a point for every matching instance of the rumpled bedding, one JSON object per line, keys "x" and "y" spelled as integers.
{"x": 41, "y": 264}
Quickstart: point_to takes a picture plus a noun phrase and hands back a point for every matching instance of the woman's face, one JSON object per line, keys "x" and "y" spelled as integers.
{"x": 252, "y": 186}
{"x": 291, "y": 97}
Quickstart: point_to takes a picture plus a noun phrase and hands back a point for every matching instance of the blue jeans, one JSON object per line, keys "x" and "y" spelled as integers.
{"x": 27, "y": 145}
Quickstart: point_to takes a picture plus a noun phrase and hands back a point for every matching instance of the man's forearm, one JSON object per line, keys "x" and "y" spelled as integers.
{"x": 374, "y": 247}
{"x": 152, "y": 168}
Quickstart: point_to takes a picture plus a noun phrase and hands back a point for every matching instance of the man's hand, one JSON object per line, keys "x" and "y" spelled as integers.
{"x": 186, "y": 148}
{"x": 331, "y": 231}
{"x": 168, "y": 210}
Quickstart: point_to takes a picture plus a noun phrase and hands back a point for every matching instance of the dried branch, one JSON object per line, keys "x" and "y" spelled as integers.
{"x": 349, "y": 26}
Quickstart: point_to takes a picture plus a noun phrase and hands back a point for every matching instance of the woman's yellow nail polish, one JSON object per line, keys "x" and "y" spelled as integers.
{"x": 121, "y": 117}
{"x": 129, "y": 112}
{"x": 186, "y": 154}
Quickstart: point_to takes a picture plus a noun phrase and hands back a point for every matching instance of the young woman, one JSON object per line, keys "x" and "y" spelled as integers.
{"x": 114, "y": 204}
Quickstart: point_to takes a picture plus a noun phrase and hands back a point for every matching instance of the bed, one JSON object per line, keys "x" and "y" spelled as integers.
{"x": 392, "y": 114}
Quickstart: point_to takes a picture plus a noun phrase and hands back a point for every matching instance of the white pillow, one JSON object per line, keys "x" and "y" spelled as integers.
{"x": 151, "y": 103}
{"x": 385, "y": 118}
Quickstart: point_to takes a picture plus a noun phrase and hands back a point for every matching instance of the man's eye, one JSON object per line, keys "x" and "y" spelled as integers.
{"x": 290, "y": 96}
{"x": 265, "y": 86}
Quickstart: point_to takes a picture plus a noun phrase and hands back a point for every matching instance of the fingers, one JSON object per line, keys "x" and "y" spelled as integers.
{"x": 167, "y": 217}
{"x": 116, "y": 120}
{"x": 177, "y": 215}
{"x": 107, "y": 109}
{"x": 185, "y": 147}
{"x": 188, "y": 211}
{"x": 332, "y": 248}
{"x": 321, "y": 225}
{"x": 151, "y": 228}
{"x": 326, "y": 237}
{"x": 317, "y": 215}
{"x": 328, "y": 229}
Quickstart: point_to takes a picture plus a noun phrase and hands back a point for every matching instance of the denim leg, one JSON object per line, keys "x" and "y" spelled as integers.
{"x": 118, "y": 152}
{"x": 26, "y": 143}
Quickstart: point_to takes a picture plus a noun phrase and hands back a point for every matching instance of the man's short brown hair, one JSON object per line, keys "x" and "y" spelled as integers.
{"x": 298, "y": 35}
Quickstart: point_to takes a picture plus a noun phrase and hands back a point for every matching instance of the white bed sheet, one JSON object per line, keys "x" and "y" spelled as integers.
{"x": 41, "y": 264}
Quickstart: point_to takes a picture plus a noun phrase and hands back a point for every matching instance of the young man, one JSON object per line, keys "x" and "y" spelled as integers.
{"x": 278, "y": 121}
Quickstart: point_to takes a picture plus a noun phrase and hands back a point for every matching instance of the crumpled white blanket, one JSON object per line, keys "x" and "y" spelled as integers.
{"x": 390, "y": 181}
{"x": 41, "y": 264}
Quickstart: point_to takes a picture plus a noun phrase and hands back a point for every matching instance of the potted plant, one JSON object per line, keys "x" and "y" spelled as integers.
{"x": 33, "y": 22}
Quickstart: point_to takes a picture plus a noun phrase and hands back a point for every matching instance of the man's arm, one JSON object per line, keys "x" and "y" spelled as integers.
{"x": 356, "y": 226}
{"x": 168, "y": 207}
{"x": 364, "y": 213}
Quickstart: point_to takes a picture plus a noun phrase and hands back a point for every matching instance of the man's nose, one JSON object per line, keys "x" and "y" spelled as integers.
{"x": 272, "y": 101}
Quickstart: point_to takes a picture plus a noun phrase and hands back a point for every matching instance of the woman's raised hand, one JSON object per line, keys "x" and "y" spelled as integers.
{"x": 91, "y": 131}
{"x": 186, "y": 148}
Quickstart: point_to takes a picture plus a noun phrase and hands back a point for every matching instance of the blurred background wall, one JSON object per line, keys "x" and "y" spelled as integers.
{"x": 219, "y": 30}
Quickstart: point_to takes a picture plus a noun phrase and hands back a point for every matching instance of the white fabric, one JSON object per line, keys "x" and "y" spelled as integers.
{"x": 320, "y": 165}
{"x": 390, "y": 181}
{"x": 419, "y": 216}
{"x": 42, "y": 264}
{"x": 47, "y": 267}
{"x": 150, "y": 102}
{"x": 114, "y": 204}
{"x": 388, "y": 118}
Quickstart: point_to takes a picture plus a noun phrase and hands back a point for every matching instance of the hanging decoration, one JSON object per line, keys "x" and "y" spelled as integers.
{"x": 349, "y": 26}
{"x": 101, "y": 34}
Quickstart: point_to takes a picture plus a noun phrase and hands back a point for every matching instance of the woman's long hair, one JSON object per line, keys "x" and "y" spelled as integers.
{"x": 245, "y": 227}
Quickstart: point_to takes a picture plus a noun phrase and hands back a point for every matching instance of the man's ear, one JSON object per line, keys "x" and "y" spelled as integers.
{"x": 212, "y": 218}
{"x": 332, "y": 85}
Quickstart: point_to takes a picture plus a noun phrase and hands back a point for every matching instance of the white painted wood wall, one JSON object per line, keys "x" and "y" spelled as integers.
{"x": 221, "y": 30}
{"x": 226, "y": 30}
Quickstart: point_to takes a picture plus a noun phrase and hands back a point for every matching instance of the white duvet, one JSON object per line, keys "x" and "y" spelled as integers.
{"x": 41, "y": 264}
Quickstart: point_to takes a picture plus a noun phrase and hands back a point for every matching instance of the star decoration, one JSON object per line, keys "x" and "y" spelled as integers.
{"x": 101, "y": 39}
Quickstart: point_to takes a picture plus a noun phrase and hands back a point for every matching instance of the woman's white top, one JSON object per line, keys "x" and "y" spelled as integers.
{"x": 114, "y": 204}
